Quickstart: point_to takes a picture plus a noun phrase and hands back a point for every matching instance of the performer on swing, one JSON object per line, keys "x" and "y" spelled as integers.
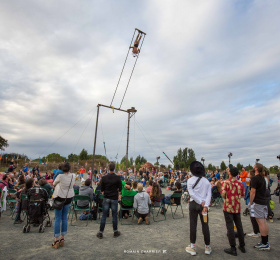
{"x": 135, "y": 49}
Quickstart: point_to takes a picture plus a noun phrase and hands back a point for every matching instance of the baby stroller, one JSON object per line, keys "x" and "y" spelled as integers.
{"x": 37, "y": 210}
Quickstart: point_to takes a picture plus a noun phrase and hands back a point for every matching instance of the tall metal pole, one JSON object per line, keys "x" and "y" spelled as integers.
{"x": 94, "y": 146}
{"x": 127, "y": 141}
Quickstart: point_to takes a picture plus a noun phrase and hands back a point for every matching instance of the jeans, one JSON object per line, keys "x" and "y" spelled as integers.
{"x": 106, "y": 205}
{"x": 247, "y": 195}
{"x": 194, "y": 212}
{"x": 61, "y": 221}
{"x": 230, "y": 218}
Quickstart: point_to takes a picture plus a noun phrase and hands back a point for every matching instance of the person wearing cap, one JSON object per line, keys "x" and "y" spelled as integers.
{"x": 199, "y": 189}
{"x": 232, "y": 191}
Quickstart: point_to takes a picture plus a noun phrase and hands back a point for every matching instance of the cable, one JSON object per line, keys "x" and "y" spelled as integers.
{"x": 82, "y": 134}
{"x": 120, "y": 142}
{"x": 66, "y": 131}
{"x": 123, "y": 67}
{"x": 132, "y": 70}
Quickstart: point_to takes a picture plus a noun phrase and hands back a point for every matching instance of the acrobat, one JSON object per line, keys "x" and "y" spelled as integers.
{"x": 135, "y": 49}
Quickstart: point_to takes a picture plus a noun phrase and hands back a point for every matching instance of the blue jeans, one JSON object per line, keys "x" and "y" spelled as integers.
{"x": 247, "y": 195}
{"x": 106, "y": 205}
{"x": 61, "y": 220}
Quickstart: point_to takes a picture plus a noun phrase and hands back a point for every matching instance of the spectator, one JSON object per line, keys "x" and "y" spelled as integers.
{"x": 85, "y": 190}
{"x": 45, "y": 185}
{"x": 141, "y": 204}
{"x": 111, "y": 187}
{"x": 232, "y": 191}
{"x": 258, "y": 205}
{"x": 148, "y": 190}
{"x": 155, "y": 195}
{"x": 63, "y": 192}
{"x": 4, "y": 182}
{"x": 243, "y": 176}
{"x": 200, "y": 197}
{"x": 135, "y": 186}
{"x": 127, "y": 192}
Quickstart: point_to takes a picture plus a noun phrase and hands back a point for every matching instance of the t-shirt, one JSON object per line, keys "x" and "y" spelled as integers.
{"x": 258, "y": 183}
{"x": 111, "y": 185}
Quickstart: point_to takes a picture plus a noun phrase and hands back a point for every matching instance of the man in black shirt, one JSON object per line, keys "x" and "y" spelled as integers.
{"x": 258, "y": 205}
{"x": 111, "y": 188}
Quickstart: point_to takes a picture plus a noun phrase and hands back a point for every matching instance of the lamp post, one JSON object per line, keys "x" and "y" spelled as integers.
{"x": 202, "y": 159}
{"x": 157, "y": 163}
{"x": 229, "y": 156}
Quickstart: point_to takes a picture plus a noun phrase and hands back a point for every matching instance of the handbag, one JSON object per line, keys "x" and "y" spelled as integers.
{"x": 58, "y": 204}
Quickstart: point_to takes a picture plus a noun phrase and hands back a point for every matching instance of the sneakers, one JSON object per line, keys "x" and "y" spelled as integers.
{"x": 117, "y": 233}
{"x": 231, "y": 251}
{"x": 99, "y": 235}
{"x": 140, "y": 220}
{"x": 263, "y": 247}
{"x": 253, "y": 235}
{"x": 271, "y": 220}
{"x": 208, "y": 250}
{"x": 190, "y": 250}
{"x": 147, "y": 221}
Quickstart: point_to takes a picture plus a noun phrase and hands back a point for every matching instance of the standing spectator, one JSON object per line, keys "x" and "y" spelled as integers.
{"x": 217, "y": 175}
{"x": 81, "y": 172}
{"x": 111, "y": 187}
{"x": 199, "y": 189}
{"x": 64, "y": 191}
{"x": 232, "y": 191}
{"x": 243, "y": 176}
{"x": 36, "y": 168}
{"x": 258, "y": 205}
{"x": 25, "y": 168}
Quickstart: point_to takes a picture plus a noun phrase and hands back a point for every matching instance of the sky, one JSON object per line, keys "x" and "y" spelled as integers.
{"x": 207, "y": 78}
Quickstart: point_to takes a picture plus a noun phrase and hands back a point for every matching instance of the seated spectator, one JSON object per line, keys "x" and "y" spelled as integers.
{"x": 45, "y": 185}
{"x": 177, "y": 201}
{"x": 127, "y": 192}
{"x": 85, "y": 190}
{"x": 141, "y": 204}
{"x": 4, "y": 182}
{"x": 58, "y": 171}
{"x": 148, "y": 190}
{"x": 134, "y": 186}
{"x": 76, "y": 187}
{"x": 155, "y": 194}
{"x": 216, "y": 189}
{"x": 21, "y": 181}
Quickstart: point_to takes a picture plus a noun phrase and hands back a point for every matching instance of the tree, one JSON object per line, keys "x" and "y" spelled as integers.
{"x": 191, "y": 157}
{"x": 3, "y": 143}
{"x": 239, "y": 166}
{"x": 140, "y": 160}
{"x": 83, "y": 155}
{"x": 131, "y": 161}
{"x": 73, "y": 157}
{"x": 55, "y": 157}
{"x": 184, "y": 158}
{"x": 211, "y": 167}
{"x": 249, "y": 167}
{"x": 223, "y": 166}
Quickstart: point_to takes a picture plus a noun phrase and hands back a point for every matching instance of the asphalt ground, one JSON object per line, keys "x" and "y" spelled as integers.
{"x": 159, "y": 240}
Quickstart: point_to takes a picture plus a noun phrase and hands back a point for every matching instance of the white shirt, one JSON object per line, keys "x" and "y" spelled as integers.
{"x": 201, "y": 192}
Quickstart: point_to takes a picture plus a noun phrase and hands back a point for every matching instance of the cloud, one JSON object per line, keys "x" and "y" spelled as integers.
{"x": 207, "y": 78}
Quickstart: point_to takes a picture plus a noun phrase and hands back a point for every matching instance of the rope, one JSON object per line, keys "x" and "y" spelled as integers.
{"x": 120, "y": 142}
{"x": 132, "y": 70}
{"x": 123, "y": 68}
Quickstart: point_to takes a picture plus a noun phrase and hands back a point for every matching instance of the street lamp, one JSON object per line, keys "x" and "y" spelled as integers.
{"x": 157, "y": 162}
{"x": 202, "y": 159}
{"x": 229, "y": 156}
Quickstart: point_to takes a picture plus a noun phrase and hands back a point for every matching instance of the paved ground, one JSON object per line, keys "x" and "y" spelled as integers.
{"x": 167, "y": 239}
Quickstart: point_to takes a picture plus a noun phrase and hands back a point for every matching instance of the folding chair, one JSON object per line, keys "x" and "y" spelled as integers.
{"x": 217, "y": 201}
{"x": 77, "y": 209}
{"x": 127, "y": 198}
{"x": 159, "y": 209}
{"x": 23, "y": 197}
{"x": 11, "y": 202}
{"x": 176, "y": 195}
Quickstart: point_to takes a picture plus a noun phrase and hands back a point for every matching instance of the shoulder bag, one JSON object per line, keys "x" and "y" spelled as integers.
{"x": 58, "y": 205}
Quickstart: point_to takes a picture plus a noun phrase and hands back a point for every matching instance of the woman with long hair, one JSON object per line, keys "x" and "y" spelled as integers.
{"x": 155, "y": 194}
{"x": 64, "y": 192}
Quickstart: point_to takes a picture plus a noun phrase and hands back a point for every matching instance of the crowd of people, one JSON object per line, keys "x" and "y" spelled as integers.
{"x": 144, "y": 187}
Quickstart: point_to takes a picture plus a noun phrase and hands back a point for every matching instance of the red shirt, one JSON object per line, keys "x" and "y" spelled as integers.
{"x": 232, "y": 191}
{"x": 82, "y": 170}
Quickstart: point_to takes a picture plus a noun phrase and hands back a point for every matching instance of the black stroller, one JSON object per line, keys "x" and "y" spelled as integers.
{"x": 37, "y": 210}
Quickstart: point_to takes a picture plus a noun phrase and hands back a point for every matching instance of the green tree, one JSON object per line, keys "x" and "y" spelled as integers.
{"x": 55, "y": 157}
{"x": 211, "y": 167}
{"x": 140, "y": 160}
{"x": 73, "y": 157}
{"x": 249, "y": 167}
{"x": 191, "y": 157}
{"x": 3, "y": 143}
{"x": 83, "y": 155}
{"x": 239, "y": 166}
{"x": 223, "y": 166}
{"x": 131, "y": 161}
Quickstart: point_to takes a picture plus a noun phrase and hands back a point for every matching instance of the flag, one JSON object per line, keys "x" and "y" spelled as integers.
{"x": 0, "y": 156}
{"x": 17, "y": 156}
{"x": 85, "y": 164}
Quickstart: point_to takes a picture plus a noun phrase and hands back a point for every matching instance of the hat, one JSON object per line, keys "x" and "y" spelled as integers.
{"x": 197, "y": 169}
